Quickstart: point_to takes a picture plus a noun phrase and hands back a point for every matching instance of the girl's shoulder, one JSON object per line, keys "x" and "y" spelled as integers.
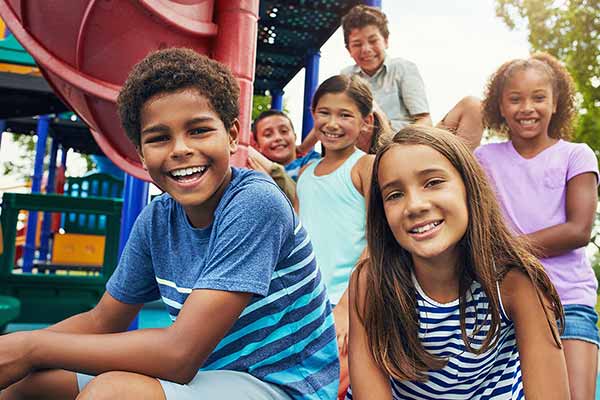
{"x": 491, "y": 149}
{"x": 515, "y": 286}
{"x": 574, "y": 148}
{"x": 361, "y": 173}
{"x": 365, "y": 162}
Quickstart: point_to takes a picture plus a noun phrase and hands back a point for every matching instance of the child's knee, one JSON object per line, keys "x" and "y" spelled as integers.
{"x": 104, "y": 386}
{"x": 122, "y": 385}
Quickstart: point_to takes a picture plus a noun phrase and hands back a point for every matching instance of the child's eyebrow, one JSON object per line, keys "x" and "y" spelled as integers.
{"x": 393, "y": 182}
{"x": 158, "y": 128}
{"x": 420, "y": 174}
{"x": 198, "y": 120}
{"x": 430, "y": 171}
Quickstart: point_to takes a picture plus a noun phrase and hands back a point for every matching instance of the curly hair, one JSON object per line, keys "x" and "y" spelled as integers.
{"x": 360, "y": 16}
{"x": 172, "y": 70}
{"x": 563, "y": 91}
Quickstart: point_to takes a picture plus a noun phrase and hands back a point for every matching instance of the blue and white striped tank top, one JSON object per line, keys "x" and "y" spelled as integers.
{"x": 495, "y": 374}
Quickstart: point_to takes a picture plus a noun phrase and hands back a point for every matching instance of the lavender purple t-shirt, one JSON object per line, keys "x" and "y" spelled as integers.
{"x": 532, "y": 195}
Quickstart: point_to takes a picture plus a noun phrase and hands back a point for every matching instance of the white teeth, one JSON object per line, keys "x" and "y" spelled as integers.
{"x": 332, "y": 135}
{"x": 425, "y": 228}
{"x": 527, "y": 121}
{"x": 187, "y": 171}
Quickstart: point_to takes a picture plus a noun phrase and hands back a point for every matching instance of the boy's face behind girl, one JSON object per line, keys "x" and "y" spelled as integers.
{"x": 185, "y": 147}
{"x": 367, "y": 48}
{"x": 276, "y": 139}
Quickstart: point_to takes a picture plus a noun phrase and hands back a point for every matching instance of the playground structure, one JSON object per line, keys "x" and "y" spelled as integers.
{"x": 85, "y": 55}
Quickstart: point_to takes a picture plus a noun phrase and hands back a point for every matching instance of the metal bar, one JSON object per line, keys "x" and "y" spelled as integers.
{"x": 38, "y": 170}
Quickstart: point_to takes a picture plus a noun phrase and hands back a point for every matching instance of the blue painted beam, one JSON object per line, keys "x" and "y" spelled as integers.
{"x": 43, "y": 127}
{"x": 135, "y": 198}
{"x": 277, "y": 99}
{"x": 311, "y": 80}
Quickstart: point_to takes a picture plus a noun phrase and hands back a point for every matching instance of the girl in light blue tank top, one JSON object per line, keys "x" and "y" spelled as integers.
{"x": 331, "y": 192}
{"x": 448, "y": 304}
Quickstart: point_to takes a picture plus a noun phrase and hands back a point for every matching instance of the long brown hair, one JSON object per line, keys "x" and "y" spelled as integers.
{"x": 489, "y": 251}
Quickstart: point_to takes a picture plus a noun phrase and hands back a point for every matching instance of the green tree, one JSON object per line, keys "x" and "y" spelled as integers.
{"x": 259, "y": 104}
{"x": 569, "y": 30}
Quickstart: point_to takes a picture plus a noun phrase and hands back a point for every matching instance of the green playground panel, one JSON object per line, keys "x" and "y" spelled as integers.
{"x": 48, "y": 298}
{"x": 95, "y": 185}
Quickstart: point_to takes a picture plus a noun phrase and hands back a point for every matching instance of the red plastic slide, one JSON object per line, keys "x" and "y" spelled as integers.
{"x": 85, "y": 49}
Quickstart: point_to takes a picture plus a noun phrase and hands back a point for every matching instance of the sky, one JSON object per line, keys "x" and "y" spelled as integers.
{"x": 456, "y": 45}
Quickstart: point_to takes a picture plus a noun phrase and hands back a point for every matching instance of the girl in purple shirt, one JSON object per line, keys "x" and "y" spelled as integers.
{"x": 547, "y": 188}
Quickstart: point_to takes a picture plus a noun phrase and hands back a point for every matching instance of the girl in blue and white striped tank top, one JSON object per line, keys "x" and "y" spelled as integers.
{"x": 448, "y": 305}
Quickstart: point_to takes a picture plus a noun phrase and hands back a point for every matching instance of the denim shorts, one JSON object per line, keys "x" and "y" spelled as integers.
{"x": 220, "y": 384}
{"x": 580, "y": 324}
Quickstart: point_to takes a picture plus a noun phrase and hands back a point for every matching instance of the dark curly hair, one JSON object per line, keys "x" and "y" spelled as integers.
{"x": 563, "y": 91}
{"x": 171, "y": 70}
{"x": 360, "y": 16}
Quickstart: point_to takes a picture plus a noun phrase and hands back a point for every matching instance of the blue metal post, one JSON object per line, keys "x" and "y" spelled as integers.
{"x": 277, "y": 99}
{"x": 2, "y": 128}
{"x": 311, "y": 80}
{"x": 38, "y": 170}
{"x": 135, "y": 198}
{"x": 374, "y": 3}
{"x": 47, "y": 223}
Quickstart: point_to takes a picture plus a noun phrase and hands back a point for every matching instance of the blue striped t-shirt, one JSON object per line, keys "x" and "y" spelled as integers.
{"x": 255, "y": 244}
{"x": 494, "y": 374}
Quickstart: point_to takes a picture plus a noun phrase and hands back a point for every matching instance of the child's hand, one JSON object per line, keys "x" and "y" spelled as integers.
{"x": 340, "y": 316}
{"x": 258, "y": 162}
{"x": 14, "y": 358}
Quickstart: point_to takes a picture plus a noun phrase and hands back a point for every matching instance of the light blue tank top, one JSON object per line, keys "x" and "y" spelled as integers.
{"x": 334, "y": 214}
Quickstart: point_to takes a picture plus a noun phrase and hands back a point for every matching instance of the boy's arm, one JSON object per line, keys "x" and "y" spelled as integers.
{"x": 259, "y": 162}
{"x": 283, "y": 180}
{"x": 108, "y": 316}
{"x": 543, "y": 363}
{"x": 174, "y": 353}
{"x": 422, "y": 119}
{"x": 368, "y": 380}
{"x": 308, "y": 143}
{"x": 575, "y": 232}
{"x": 412, "y": 94}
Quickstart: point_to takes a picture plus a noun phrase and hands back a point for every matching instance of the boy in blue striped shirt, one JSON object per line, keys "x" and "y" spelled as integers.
{"x": 222, "y": 248}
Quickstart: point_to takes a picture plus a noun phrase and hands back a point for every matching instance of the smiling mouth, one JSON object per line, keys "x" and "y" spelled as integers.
{"x": 528, "y": 122}
{"x": 332, "y": 135}
{"x": 188, "y": 174}
{"x": 425, "y": 228}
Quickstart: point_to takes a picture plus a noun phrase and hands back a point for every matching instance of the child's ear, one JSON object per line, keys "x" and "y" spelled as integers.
{"x": 234, "y": 131}
{"x": 554, "y": 103}
{"x": 141, "y": 156}
{"x": 368, "y": 121}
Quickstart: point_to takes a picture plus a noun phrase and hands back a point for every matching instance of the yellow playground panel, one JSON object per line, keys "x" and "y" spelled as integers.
{"x": 78, "y": 249}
